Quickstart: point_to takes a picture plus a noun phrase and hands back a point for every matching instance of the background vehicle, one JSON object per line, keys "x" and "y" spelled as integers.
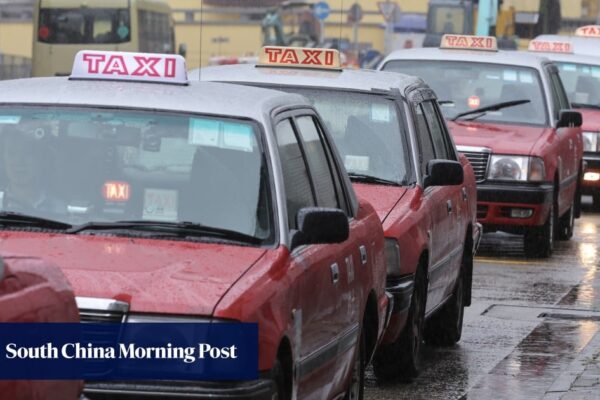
{"x": 33, "y": 290}
{"x": 63, "y": 27}
{"x": 401, "y": 158}
{"x": 510, "y": 115}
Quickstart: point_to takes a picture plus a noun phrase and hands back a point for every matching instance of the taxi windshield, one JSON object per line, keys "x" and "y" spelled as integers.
{"x": 581, "y": 82}
{"x": 466, "y": 86}
{"x": 367, "y": 131}
{"x": 82, "y": 166}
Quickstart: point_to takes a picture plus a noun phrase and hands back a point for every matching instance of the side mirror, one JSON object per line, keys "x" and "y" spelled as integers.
{"x": 182, "y": 51}
{"x": 444, "y": 173}
{"x": 569, "y": 119}
{"x": 321, "y": 226}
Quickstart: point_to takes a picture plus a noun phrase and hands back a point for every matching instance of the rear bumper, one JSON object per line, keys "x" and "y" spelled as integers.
{"x": 516, "y": 205}
{"x": 592, "y": 165}
{"x": 251, "y": 390}
{"x": 400, "y": 289}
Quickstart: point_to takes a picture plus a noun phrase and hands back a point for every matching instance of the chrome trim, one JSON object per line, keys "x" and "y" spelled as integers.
{"x": 473, "y": 149}
{"x": 363, "y": 255}
{"x": 335, "y": 273}
{"x": 100, "y": 304}
{"x": 446, "y": 259}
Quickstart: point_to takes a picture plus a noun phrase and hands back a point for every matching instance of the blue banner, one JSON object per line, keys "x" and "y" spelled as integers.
{"x": 136, "y": 351}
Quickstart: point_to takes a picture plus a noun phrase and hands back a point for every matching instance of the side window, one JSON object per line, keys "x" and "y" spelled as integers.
{"x": 320, "y": 167}
{"x": 298, "y": 190}
{"x": 427, "y": 149}
{"x": 438, "y": 134}
{"x": 559, "y": 97}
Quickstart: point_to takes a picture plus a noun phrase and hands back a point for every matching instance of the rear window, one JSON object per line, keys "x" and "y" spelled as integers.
{"x": 84, "y": 25}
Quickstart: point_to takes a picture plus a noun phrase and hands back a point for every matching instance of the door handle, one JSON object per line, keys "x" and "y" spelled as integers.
{"x": 363, "y": 254}
{"x": 335, "y": 273}
{"x": 465, "y": 195}
{"x": 449, "y": 206}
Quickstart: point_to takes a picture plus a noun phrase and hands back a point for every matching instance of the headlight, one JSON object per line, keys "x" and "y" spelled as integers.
{"x": 516, "y": 168}
{"x": 591, "y": 141}
{"x": 392, "y": 257}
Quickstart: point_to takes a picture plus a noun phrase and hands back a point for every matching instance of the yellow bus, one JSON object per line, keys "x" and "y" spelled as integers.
{"x": 63, "y": 27}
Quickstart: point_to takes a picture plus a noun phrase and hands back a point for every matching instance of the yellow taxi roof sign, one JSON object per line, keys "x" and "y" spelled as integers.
{"x": 469, "y": 42}
{"x": 588, "y": 31}
{"x": 550, "y": 46}
{"x": 300, "y": 57}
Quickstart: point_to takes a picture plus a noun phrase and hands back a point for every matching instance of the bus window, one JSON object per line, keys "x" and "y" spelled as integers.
{"x": 156, "y": 32}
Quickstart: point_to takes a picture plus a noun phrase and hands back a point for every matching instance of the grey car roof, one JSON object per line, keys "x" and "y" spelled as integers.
{"x": 360, "y": 80}
{"x": 197, "y": 97}
{"x": 581, "y": 45}
{"x": 574, "y": 58}
{"x": 515, "y": 58}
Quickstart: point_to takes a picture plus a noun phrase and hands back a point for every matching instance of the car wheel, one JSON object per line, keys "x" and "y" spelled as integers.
{"x": 357, "y": 381}
{"x": 278, "y": 391}
{"x": 539, "y": 241}
{"x": 401, "y": 360}
{"x": 566, "y": 224}
{"x": 445, "y": 327}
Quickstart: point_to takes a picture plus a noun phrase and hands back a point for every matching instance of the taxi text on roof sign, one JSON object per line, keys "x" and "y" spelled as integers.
{"x": 588, "y": 31}
{"x": 550, "y": 46}
{"x": 298, "y": 57}
{"x": 112, "y": 65}
{"x": 469, "y": 42}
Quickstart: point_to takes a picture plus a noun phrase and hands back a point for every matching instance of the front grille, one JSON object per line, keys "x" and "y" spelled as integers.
{"x": 482, "y": 211}
{"x": 479, "y": 160}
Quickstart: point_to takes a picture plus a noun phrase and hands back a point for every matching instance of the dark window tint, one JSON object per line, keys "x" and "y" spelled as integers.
{"x": 156, "y": 33}
{"x": 427, "y": 149}
{"x": 438, "y": 134}
{"x": 297, "y": 184}
{"x": 318, "y": 163}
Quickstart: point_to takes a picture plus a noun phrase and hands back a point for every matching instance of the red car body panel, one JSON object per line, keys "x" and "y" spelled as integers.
{"x": 34, "y": 290}
{"x": 591, "y": 123}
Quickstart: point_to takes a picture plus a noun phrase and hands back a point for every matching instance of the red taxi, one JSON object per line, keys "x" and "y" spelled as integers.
{"x": 580, "y": 74}
{"x": 401, "y": 158}
{"x": 510, "y": 115}
{"x": 165, "y": 200}
{"x": 33, "y": 290}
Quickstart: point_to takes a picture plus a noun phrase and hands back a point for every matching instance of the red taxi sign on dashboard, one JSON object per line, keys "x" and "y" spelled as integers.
{"x": 113, "y": 65}
{"x": 299, "y": 57}
{"x": 588, "y": 31}
{"x": 469, "y": 42}
{"x": 550, "y": 46}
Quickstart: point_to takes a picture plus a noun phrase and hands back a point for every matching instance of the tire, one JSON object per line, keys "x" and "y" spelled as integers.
{"x": 566, "y": 224}
{"x": 445, "y": 327}
{"x": 401, "y": 360}
{"x": 278, "y": 392}
{"x": 356, "y": 387}
{"x": 539, "y": 241}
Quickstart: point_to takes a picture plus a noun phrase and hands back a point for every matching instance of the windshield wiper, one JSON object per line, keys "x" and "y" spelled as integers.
{"x": 362, "y": 178}
{"x": 493, "y": 107}
{"x": 583, "y": 105}
{"x": 15, "y": 218}
{"x": 180, "y": 229}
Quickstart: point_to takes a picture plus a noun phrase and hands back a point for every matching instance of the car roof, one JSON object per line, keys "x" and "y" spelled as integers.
{"x": 359, "y": 80}
{"x": 197, "y": 97}
{"x": 515, "y": 58}
{"x": 574, "y": 58}
{"x": 581, "y": 45}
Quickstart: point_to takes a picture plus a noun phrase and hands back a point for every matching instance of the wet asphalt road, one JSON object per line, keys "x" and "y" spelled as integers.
{"x": 529, "y": 320}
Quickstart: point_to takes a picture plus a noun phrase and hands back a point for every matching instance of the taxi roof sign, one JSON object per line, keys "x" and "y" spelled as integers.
{"x": 137, "y": 67}
{"x": 588, "y": 31}
{"x": 299, "y": 57}
{"x": 550, "y": 46}
{"x": 469, "y": 42}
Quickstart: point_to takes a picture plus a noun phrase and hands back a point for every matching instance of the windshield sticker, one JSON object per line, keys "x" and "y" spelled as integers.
{"x": 509, "y": 75}
{"x": 581, "y": 97}
{"x": 357, "y": 163}
{"x": 525, "y": 77}
{"x": 116, "y": 191}
{"x": 569, "y": 67}
{"x": 474, "y": 102}
{"x": 596, "y": 72}
{"x": 380, "y": 113}
{"x": 204, "y": 132}
{"x": 238, "y": 137}
{"x": 10, "y": 119}
{"x": 160, "y": 205}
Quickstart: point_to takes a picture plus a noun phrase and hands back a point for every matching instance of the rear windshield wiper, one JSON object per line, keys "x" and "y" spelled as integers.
{"x": 583, "y": 105}
{"x": 179, "y": 229}
{"x": 493, "y": 107}
{"x": 15, "y": 218}
{"x": 362, "y": 178}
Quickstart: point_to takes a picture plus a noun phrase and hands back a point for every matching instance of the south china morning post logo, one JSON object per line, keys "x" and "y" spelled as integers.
{"x": 178, "y": 351}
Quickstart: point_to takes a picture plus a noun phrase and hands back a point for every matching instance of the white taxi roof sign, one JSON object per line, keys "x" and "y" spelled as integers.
{"x": 550, "y": 46}
{"x": 469, "y": 42}
{"x": 300, "y": 57}
{"x": 123, "y": 66}
{"x": 588, "y": 31}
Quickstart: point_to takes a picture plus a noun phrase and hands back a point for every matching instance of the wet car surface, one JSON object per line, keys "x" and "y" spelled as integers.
{"x": 530, "y": 320}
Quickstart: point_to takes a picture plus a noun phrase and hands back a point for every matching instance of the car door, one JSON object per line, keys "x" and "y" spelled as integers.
{"x": 323, "y": 289}
{"x": 569, "y": 146}
{"x": 454, "y": 224}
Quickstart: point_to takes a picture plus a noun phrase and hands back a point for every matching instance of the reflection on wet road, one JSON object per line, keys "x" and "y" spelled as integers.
{"x": 529, "y": 320}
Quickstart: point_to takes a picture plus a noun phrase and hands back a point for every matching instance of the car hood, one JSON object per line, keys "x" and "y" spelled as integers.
{"x": 502, "y": 139}
{"x": 382, "y": 198}
{"x": 591, "y": 119}
{"x": 153, "y": 276}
